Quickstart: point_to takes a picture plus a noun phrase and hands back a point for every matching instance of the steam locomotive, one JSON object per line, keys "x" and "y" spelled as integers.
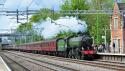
{"x": 79, "y": 47}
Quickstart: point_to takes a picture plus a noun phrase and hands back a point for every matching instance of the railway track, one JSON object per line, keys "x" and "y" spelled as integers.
{"x": 104, "y": 64}
{"x": 14, "y": 66}
{"x": 38, "y": 63}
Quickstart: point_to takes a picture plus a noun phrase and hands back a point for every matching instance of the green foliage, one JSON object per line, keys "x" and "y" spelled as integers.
{"x": 27, "y": 39}
{"x": 123, "y": 1}
{"x": 102, "y": 4}
{"x": 29, "y": 35}
{"x": 66, "y": 5}
{"x": 24, "y": 26}
{"x": 103, "y": 20}
{"x": 75, "y": 4}
{"x": 64, "y": 34}
{"x": 42, "y": 14}
{"x": 103, "y": 23}
{"x": 37, "y": 37}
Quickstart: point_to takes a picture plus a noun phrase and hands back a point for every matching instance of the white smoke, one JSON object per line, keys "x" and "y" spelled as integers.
{"x": 52, "y": 28}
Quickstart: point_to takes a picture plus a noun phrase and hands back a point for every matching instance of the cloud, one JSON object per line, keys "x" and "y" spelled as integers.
{"x": 16, "y": 4}
{"x": 8, "y": 23}
{"x": 34, "y": 4}
{"x": 69, "y": 24}
{"x": 72, "y": 24}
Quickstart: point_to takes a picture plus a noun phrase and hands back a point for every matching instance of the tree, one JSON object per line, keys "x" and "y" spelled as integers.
{"x": 64, "y": 34}
{"x": 66, "y": 5}
{"x": 42, "y": 14}
{"x": 93, "y": 23}
{"x": 75, "y": 4}
{"x": 123, "y": 1}
{"x": 28, "y": 34}
{"x": 103, "y": 21}
{"x": 24, "y": 27}
{"x": 102, "y": 4}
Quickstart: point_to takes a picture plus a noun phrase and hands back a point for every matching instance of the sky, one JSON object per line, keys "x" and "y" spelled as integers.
{"x": 7, "y": 23}
{"x": 32, "y": 4}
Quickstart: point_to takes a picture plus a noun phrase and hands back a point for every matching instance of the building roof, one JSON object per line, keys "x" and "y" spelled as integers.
{"x": 121, "y": 6}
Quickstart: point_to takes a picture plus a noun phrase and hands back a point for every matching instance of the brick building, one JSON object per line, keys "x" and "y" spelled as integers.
{"x": 118, "y": 28}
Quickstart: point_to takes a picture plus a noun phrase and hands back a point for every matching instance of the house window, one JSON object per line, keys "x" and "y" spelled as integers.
{"x": 115, "y": 23}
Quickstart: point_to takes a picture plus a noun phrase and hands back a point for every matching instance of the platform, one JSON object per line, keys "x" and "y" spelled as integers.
{"x": 117, "y": 54}
{"x": 112, "y": 56}
{"x": 3, "y": 65}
